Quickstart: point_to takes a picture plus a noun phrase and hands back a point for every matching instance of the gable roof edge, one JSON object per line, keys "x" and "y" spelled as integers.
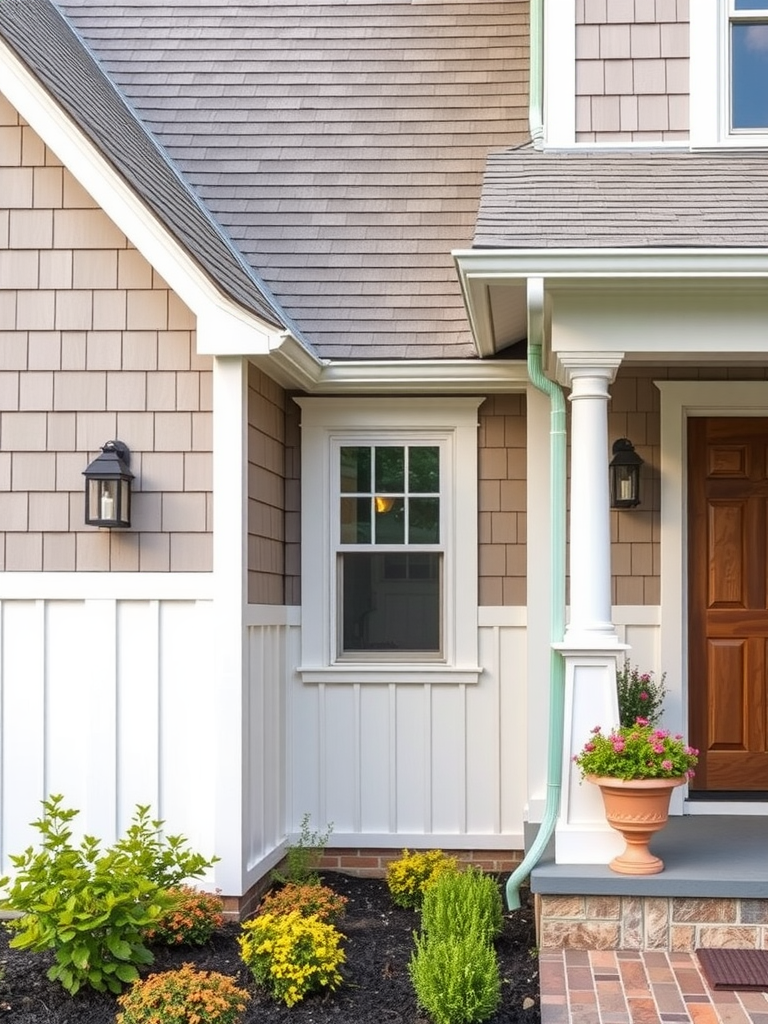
{"x": 129, "y": 212}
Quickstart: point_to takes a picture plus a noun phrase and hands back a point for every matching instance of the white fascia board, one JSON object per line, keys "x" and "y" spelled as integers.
{"x": 456, "y": 376}
{"x": 120, "y": 203}
{"x": 495, "y": 265}
{"x": 291, "y": 366}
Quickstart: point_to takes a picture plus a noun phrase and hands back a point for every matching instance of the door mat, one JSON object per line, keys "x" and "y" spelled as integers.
{"x": 738, "y": 970}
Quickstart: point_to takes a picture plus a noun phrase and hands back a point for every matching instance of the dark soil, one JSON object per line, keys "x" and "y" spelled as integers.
{"x": 376, "y": 990}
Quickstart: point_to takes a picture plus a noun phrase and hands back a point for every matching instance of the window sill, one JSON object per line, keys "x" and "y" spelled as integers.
{"x": 402, "y": 672}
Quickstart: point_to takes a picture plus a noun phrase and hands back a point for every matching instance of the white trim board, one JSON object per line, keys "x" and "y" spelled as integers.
{"x": 110, "y": 586}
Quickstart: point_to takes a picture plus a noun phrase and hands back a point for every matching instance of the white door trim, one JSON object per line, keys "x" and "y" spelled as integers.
{"x": 679, "y": 400}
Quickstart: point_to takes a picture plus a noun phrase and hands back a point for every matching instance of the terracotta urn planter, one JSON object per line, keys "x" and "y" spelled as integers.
{"x": 637, "y": 808}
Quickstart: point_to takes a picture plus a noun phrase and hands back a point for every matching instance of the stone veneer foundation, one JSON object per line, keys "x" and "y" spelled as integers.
{"x": 674, "y": 924}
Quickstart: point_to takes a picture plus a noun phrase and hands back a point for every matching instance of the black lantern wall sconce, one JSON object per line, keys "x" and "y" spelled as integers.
{"x": 108, "y": 487}
{"x": 624, "y": 471}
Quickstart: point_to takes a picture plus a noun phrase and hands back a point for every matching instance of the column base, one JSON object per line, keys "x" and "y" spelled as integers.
{"x": 582, "y": 835}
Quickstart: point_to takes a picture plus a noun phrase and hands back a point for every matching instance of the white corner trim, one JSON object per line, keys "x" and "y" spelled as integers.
{"x": 705, "y": 72}
{"x": 559, "y": 74}
{"x": 119, "y": 202}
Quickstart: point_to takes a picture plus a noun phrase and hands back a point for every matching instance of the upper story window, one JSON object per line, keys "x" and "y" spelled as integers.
{"x": 389, "y": 540}
{"x": 748, "y": 30}
{"x": 729, "y": 73}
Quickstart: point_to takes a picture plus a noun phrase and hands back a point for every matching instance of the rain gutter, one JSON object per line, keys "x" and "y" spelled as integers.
{"x": 557, "y": 501}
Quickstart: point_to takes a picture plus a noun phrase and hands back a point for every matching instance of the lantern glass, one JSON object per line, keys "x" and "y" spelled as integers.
{"x": 625, "y": 475}
{"x": 108, "y": 488}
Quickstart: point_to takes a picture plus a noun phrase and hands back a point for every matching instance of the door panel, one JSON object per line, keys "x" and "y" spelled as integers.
{"x": 728, "y": 601}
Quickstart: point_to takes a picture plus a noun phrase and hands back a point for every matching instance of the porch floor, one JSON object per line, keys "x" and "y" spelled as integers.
{"x": 707, "y": 858}
{"x": 705, "y": 855}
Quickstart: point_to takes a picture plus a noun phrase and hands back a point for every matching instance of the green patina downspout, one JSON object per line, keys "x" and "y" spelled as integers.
{"x": 557, "y": 488}
{"x": 536, "y": 84}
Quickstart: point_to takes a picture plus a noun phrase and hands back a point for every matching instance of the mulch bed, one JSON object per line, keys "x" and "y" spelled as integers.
{"x": 377, "y": 988}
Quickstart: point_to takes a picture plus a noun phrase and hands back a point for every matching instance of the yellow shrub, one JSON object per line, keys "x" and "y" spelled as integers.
{"x": 411, "y": 875}
{"x": 291, "y": 955}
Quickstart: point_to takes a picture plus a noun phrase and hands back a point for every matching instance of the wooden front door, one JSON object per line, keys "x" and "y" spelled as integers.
{"x": 728, "y": 602}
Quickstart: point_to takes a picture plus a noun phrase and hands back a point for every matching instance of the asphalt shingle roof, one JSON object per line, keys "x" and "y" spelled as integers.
{"x": 341, "y": 145}
{"x": 624, "y": 198}
{"x": 44, "y": 40}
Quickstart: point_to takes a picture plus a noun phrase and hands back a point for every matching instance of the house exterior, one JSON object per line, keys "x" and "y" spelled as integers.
{"x": 346, "y": 279}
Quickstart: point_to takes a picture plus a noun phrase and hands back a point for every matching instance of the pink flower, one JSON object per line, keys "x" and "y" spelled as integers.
{"x": 618, "y": 745}
{"x": 596, "y": 729}
{"x": 658, "y": 748}
{"x": 589, "y": 747}
{"x": 667, "y": 766}
{"x": 643, "y": 695}
{"x": 641, "y": 721}
{"x": 645, "y": 677}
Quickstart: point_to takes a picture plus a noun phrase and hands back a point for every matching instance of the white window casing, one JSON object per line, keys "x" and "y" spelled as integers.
{"x": 710, "y": 75}
{"x": 328, "y": 424}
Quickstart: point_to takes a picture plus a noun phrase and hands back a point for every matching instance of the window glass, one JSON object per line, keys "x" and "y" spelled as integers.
{"x": 355, "y": 521}
{"x": 391, "y": 602}
{"x": 355, "y": 469}
{"x": 390, "y": 498}
{"x": 749, "y": 75}
{"x": 390, "y": 469}
{"x": 424, "y": 470}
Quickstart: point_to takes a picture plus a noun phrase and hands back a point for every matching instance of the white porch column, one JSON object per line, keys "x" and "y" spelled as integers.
{"x": 591, "y": 645}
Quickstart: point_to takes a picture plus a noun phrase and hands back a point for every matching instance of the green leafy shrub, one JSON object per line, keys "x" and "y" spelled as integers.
{"x": 291, "y": 955}
{"x": 462, "y": 902}
{"x": 303, "y": 857}
{"x": 640, "y": 695}
{"x": 191, "y": 920}
{"x": 166, "y": 860}
{"x": 93, "y": 908}
{"x": 319, "y": 901}
{"x": 411, "y": 875}
{"x": 181, "y": 997}
{"x": 456, "y": 978}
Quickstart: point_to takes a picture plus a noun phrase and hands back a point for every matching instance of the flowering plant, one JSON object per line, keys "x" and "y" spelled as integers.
{"x": 640, "y": 695}
{"x": 637, "y": 751}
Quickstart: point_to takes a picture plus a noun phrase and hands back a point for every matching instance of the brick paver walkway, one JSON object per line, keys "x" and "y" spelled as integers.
{"x": 627, "y": 987}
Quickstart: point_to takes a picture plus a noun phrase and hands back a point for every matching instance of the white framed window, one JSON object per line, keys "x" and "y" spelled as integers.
{"x": 389, "y": 539}
{"x": 729, "y": 73}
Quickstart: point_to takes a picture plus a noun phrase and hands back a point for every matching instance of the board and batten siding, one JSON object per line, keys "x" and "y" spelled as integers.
{"x": 419, "y": 764}
{"x": 112, "y": 701}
